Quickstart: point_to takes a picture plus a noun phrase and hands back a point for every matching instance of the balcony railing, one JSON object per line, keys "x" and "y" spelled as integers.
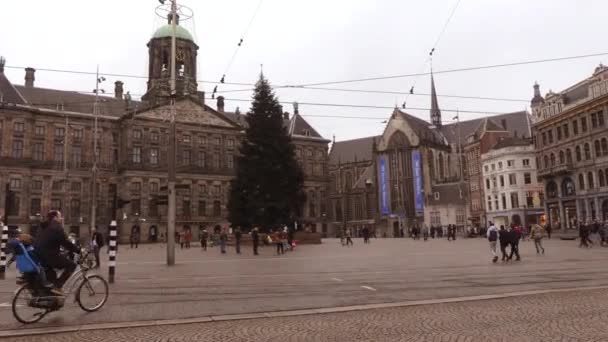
{"x": 556, "y": 170}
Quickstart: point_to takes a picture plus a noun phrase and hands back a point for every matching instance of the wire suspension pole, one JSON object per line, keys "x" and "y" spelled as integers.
{"x": 94, "y": 168}
{"x": 172, "y": 147}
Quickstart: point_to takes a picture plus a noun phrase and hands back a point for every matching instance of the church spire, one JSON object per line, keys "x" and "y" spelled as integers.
{"x": 435, "y": 111}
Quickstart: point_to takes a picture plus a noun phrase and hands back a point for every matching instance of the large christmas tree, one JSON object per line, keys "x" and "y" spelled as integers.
{"x": 267, "y": 190}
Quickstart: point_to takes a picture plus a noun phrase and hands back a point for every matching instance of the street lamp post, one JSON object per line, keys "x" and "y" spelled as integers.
{"x": 98, "y": 80}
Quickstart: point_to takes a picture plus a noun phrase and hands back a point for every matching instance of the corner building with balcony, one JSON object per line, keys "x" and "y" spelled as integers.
{"x": 47, "y": 139}
{"x": 571, "y": 139}
{"x": 512, "y": 190}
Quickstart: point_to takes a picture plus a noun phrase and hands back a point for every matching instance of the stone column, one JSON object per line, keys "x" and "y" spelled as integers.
{"x": 598, "y": 209}
{"x": 562, "y": 216}
{"x": 587, "y": 210}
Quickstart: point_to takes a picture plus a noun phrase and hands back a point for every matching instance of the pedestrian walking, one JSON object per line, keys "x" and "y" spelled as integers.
{"x": 255, "y": 239}
{"x": 537, "y": 233}
{"x": 583, "y": 233}
{"x": 504, "y": 242}
{"x": 548, "y": 229}
{"x": 135, "y": 235}
{"x": 181, "y": 237}
{"x": 425, "y": 232}
{"x": 366, "y": 234}
{"x": 96, "y": 244}
{"x": 204, "y": 237}
{"x": 514, "y": 237}
{"x": 187, "y": 236}
{"x": 349, "y": 237}
{"x": 276, "y": 238}
{"x": 152, "y": 236}
{"x": 223, "y": 240}
{"x": 237, "y": 239}
{"x": 492, "y": 235}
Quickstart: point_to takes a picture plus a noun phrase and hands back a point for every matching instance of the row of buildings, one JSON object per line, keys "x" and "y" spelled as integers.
{"x": 550, "y": 166}
{"x": 47, "y": 150}
{"x": 547, "y": 167}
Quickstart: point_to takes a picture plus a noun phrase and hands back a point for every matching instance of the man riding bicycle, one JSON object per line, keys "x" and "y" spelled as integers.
{"x": 47, "y": 248}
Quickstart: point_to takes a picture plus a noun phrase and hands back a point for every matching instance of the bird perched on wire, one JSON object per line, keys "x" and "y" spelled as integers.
{"x": 223, "y": 79}
{"x": 403, "y": 105}
{"x": 412, "y": 90}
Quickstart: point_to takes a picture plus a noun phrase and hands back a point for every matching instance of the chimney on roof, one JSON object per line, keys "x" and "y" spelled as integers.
{"x": 118, "y": 89}
{"x": 237, "y": 111}
{"x": 220, "y": 104}
{"x": 286, "y": 115}
{"x": 504, "y": 123}
{"x": 30, "y": 77}
{"x": 201, "y": 97}
{"x": 2, "y": 62}
{"x": 296, "y": 109}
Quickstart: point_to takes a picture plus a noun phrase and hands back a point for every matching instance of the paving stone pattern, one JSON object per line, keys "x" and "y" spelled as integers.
{"x": 569, "y": 317}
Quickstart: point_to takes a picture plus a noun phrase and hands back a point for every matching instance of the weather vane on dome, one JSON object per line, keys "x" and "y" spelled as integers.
{"x": 164, "y": 11}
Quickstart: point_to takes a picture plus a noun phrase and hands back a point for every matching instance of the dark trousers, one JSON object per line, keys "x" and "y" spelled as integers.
{"x": 349, "y": 241}
{"x": 204, "y": 244}
{"x": 96, "y": 254}
{"x": 280, "y": 248}
{"x": 238, "y": 246}
{"x": 58, "y": 262}
{"x": 503, "y": 250}
{"x": 255, "y": 247}
{"x": 134, "y": 243}
{"x": 514, "y": 250}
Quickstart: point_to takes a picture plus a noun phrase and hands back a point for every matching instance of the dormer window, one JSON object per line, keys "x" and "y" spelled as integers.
{"x": 307, "y": 132}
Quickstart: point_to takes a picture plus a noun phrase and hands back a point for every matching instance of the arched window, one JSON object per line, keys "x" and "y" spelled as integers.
{"x": 562, "y": 158}
{"x": 587, "y": 151}
{"x": 552, "y": 159}
{"x": 568, "y": 188}
{"x": 590, "y": 184}
{"x": 546, "y": 162}
{"x": 581, "y": 181}
{"x": 551, "y": 190}
{"x": 598, "y": 149}
{"x": 441, "y": 169}
{"x": 349, "y": 182}
{"x": 578, "y": 153}
{"x": 604, "y": 146}
{"x": 568, "y": 156}
{"x": 600, "y": 176}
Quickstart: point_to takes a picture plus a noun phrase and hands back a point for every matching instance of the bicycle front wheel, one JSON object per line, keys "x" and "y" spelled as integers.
{"x": 92, "y": 293}
{"x": 23, "y": 310}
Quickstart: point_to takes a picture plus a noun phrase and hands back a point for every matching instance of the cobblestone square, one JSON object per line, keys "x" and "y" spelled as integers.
{"x": 207, "y": 283}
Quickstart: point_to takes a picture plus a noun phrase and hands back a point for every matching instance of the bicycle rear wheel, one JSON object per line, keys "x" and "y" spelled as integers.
{"x": 22, "y": 309}
{"x": 92, "y": 293}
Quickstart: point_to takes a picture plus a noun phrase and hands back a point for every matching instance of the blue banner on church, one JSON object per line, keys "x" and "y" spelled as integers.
{"x": 383, "y": 186}
{"x": 418, "y": 196}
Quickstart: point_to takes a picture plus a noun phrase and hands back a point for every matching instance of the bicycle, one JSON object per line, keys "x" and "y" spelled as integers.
{"x": 40, "y": 301}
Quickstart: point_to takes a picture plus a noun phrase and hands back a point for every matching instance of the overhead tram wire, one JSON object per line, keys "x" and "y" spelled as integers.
{"x": 446, "y": 71}
{"x": 382, "y": 92}
{"x": 238, "y": 47}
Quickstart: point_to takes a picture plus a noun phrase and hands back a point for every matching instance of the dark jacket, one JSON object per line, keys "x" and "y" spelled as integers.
{"x": 238, "y": 234}
{"x": 98, "y": 238}
{"x": 50, "y": 239}
{"x": 255, "y": 236}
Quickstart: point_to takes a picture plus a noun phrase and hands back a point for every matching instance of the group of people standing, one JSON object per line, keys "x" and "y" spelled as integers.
{"x": 510, "y": 238}
{"x": 585, "y": 230}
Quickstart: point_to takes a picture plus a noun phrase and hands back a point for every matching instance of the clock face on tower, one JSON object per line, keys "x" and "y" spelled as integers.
{"x": 180, "y": 55}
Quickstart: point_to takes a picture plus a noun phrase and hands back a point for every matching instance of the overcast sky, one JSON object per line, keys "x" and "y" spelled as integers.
{"x": 300, "y": 42}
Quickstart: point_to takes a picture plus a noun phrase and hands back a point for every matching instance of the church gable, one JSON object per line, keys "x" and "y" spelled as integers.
{"x": 188, "y": 112}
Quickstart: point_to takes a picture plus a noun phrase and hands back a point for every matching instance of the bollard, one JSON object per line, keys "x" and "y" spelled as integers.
{"x": 112, "y": 246}
{"x": 3, "y": 251}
